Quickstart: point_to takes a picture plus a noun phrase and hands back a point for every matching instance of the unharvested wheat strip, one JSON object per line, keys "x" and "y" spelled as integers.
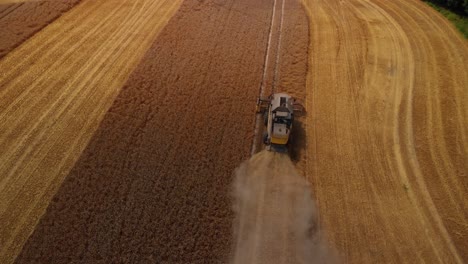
{"x": 57, "y": 36}
{"x": 66, "y": 102}
{"x": 67, "y": 120}
{"x": 19, "y": 91}
{"x": 32, "y": 99}
{"x": 80, "y": 88}
{"x": 42, "y": 153}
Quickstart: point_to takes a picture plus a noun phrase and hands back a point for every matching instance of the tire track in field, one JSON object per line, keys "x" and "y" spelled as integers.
{"x": 445, "y": 165}
{"x": 384, "y": 71}
{"x": 441, "y": 128}
{"x": 46, "y": 97}
{"x": 270, "y": 66}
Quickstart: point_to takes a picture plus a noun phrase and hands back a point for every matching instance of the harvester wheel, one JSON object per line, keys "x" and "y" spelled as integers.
{"x": 265, "y": 138}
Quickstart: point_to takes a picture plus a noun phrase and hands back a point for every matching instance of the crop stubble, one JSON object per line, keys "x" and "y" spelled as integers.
{"x": 387, "y": 137}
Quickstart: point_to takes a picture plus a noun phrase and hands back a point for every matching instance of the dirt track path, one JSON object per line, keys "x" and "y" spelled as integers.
{"x": 387, "y": 134}
{"x": 59, "y": 82}
{"x": 275, "y": 216}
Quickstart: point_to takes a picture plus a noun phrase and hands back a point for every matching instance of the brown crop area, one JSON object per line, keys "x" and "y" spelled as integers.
{"x": 127, "y": 129}
{"x": 20, "y": 20}
{"x": 55, "y": 90}
{"x": 164, "y": 153}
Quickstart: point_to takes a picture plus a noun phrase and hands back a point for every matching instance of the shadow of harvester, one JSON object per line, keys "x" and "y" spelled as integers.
{"x": 298, "y": 138}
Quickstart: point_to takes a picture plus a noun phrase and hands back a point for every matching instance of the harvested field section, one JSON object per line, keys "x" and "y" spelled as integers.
{"x": 19, "y": 21}
{"x": 387, "y": 138}
{"x": 55, "y": 90}
{"x": 437, "y": 115}
{"x": 153, "y": 183}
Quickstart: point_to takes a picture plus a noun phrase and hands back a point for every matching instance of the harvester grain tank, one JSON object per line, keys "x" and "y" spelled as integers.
{"x": 278, "y": 112}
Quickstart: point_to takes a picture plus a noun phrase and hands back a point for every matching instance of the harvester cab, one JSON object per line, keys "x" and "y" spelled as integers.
{"x": 278, "y": 112}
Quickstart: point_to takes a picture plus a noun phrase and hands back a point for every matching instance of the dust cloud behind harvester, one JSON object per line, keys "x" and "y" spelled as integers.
{"x": 275, "y": 216}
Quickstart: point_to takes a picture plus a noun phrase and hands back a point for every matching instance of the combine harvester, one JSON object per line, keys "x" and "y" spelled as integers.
{"x": 278, "y": 112}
